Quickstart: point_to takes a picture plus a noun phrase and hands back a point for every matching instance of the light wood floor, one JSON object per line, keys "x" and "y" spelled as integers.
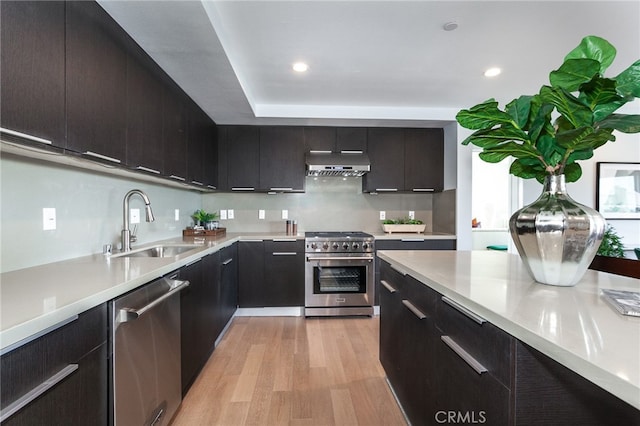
{"x": 293, "y": 371}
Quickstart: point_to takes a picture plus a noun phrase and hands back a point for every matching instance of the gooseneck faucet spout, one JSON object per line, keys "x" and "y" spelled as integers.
{"x": 126, "y": 233}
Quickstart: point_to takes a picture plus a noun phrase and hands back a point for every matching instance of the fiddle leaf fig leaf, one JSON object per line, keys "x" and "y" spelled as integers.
{"x": 572, "y": 172}
{"x": 577, "y": 113}
{"x": 492, "y": 137}
{"x": 621, "y": 123}
{"x": 519, "y": 110}
{"x": 573, "y": 73}
{"x": 593, "y": 47}
{"x": 498, "y": 153}
{"x": 629, "y": 81}
{"x": 521, "y": 169}
{"x": 483, "y": 116}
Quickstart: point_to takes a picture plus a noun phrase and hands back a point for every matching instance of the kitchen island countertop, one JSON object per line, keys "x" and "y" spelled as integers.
{"x": 572, "y": 325}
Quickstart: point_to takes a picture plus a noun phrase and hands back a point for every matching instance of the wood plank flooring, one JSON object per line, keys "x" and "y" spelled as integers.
{"x": 293, "y": 371}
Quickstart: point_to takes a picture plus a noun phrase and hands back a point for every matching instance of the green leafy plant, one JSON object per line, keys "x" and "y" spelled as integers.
{"x": 611, "y": 245}
{"x": 402, "y": 221}
{"x": 583, "y": 103}
{"x": 204, "y": 217}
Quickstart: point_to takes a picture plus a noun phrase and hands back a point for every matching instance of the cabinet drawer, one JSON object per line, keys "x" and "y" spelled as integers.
{"x": 36, "y": 362}
{"x": 423, "y": 298}
{"x": 481, "y": 340}
{"x": 279, "y": 247}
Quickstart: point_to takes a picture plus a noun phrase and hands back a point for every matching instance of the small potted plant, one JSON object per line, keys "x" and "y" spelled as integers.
{"x": 204, "y": 219}
{"x": 403, "y": 225}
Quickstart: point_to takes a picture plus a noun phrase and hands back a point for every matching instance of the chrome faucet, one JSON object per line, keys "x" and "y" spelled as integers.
{"x": 126, "y": 233}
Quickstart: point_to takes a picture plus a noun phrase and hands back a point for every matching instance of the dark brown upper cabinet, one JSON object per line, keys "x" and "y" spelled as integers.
{"x": 282, "y": 165}
{"x": 174, "y": 132}
{"x": 32, "y": 46}
{"x": 351, "y": 139}
{"x": 385, "y": 147}
{"x": 144, "y": 112}
{"x": 242, "y": 148}
{"x": 96, "y": 83}
{"x": 320, "y": 139}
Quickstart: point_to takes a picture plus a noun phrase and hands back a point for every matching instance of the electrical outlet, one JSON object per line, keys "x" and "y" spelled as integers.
{"x": 223, "y": 215}
{"x": 285, "y": 214}
{"x": 230, "y": 214}
{"x": 261, "y": 214}
{"x": 48, "y": 219}
{"x": 412, "y": 214}
{"x": 177, "y": 215}
{"x": 383, "y": 215}
{"x": 134, "y": 217}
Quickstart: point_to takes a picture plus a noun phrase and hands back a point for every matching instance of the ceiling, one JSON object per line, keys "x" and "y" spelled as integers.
{"x": 370, "y": 62}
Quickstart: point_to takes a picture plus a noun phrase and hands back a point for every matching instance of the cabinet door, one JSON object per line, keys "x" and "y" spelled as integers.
{"x": 32, "y": 79}
{"x": 210, "y": 154}
{"x": 96, "y": 81}
{"x": 243, "y": 157}
{"x": 79, "y": 395}
{"x": 195, "y": 143}
{"x": 144, "y": 112}
{"x": 424, "y": 160}
{"x": 174, "y": 132}
{"x": 228, "y": 284}
{"x": 351, "y": 139}
{"x": 284, "y": 273}
{"x": 282, "y": 158}
{"x": 320, "y": 139}
{"x": 251, "y": 271}
{"x": 192, "y": 335}
{"x": 390, "y": 293}
{"x": 385, "y": 147}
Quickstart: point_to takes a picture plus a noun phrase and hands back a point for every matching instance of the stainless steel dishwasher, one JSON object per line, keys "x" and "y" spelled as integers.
{"x": 146, "y": 354}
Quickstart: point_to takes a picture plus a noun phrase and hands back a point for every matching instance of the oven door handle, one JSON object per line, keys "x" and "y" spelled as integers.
{"x": 312, "y": 258}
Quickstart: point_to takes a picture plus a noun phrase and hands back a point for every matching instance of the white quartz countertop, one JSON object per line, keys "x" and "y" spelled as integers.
{"x": 34, "y": 299}
{"x": 572, "y": 325}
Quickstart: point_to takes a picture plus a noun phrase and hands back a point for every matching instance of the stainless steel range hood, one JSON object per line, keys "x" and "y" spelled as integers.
{"x": 349, "y": 164}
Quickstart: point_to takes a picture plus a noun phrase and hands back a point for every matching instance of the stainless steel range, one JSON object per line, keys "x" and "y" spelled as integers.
{"x": 339, "y": 273}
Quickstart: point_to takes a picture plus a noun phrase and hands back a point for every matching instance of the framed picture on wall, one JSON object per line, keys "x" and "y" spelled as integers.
{"x": 618, "y": 190}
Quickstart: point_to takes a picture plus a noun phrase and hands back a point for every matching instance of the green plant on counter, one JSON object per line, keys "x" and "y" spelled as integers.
{"x": 403, "y": 221}
{"x": 201, "y": 216}
{"x": 611, "y": 245}
{"x": 582, "y": 99}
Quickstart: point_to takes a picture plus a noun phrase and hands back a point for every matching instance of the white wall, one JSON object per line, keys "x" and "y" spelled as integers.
{"x": 88, "y": 207}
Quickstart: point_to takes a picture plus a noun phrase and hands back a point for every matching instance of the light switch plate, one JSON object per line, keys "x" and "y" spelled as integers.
{"x": 48, "y": 219}
{"x": 383, "y": 215}
{"x": 134, "y": 217}
{"x": 177, "y": 215}
{"x": 261, "y": 214}
{"x": 285, "y": 214}
{"x": 230, "y": 214}
{"x": 412, "y": 214}
{"x": 223, "y": 215}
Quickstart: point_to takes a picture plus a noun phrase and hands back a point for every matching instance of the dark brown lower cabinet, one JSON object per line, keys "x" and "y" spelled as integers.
{"x": 75, "y": 358}
{"x": 448, "y": 365}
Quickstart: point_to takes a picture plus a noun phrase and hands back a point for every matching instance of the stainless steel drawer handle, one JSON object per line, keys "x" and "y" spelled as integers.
{"x": 395, "y": 268}
{"x": 226, "y": 262}
{"x": 386, "y": 189}
{"x": 464, "y": 311}
{"x": 413, "y": 309}
{"x": 388, "y": 286}
{"x": 129, "y": 314}
{"x": 25, "y": 136}
{"x": 285, "y": 240}
{"x": 34, "y": 393}
{"x": 423, "y": 190}
{"x": 412, "y": 240}
{"x": 284, "y": 253}
{"x": 466, "y": 357}
{"x": 312, "y": 258}
{"x": 101, "y": 157}
{"x": 251, "y": 241}
{"x": 147, "y": 169}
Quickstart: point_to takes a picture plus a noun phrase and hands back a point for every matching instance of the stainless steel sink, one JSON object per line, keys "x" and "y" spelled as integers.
{"x": 158, "y": 251}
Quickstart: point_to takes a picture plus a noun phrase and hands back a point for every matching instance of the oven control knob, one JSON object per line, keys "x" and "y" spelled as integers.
{"x": 345, "y": 245}
{"x": 365, "y": 246}
{"x": 335, "y": 246}
{"x": 355, "y": 246}
{"x": 325, "y": 246}
{"x": 314, "y": 246}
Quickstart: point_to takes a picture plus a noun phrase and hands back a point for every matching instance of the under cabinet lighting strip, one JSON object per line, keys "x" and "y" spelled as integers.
{"x": 346, "y": 151}
{"x": 25, "y": 136}
{"x": 423, "y": 190}
{"x": 386, "y": 189}
{"x": 180, "y": 178}
{"x": 146, "y": 169}
{"x": 242, "y": 188}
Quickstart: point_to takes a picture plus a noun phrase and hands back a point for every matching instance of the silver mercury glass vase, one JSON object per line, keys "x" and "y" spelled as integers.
{"x": 557, "y": 238}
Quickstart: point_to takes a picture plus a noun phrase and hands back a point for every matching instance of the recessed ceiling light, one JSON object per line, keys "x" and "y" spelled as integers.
{"x": 492, "y": 72}
{"x": 300, "y": 67}
{"x": 450, "y": 26}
